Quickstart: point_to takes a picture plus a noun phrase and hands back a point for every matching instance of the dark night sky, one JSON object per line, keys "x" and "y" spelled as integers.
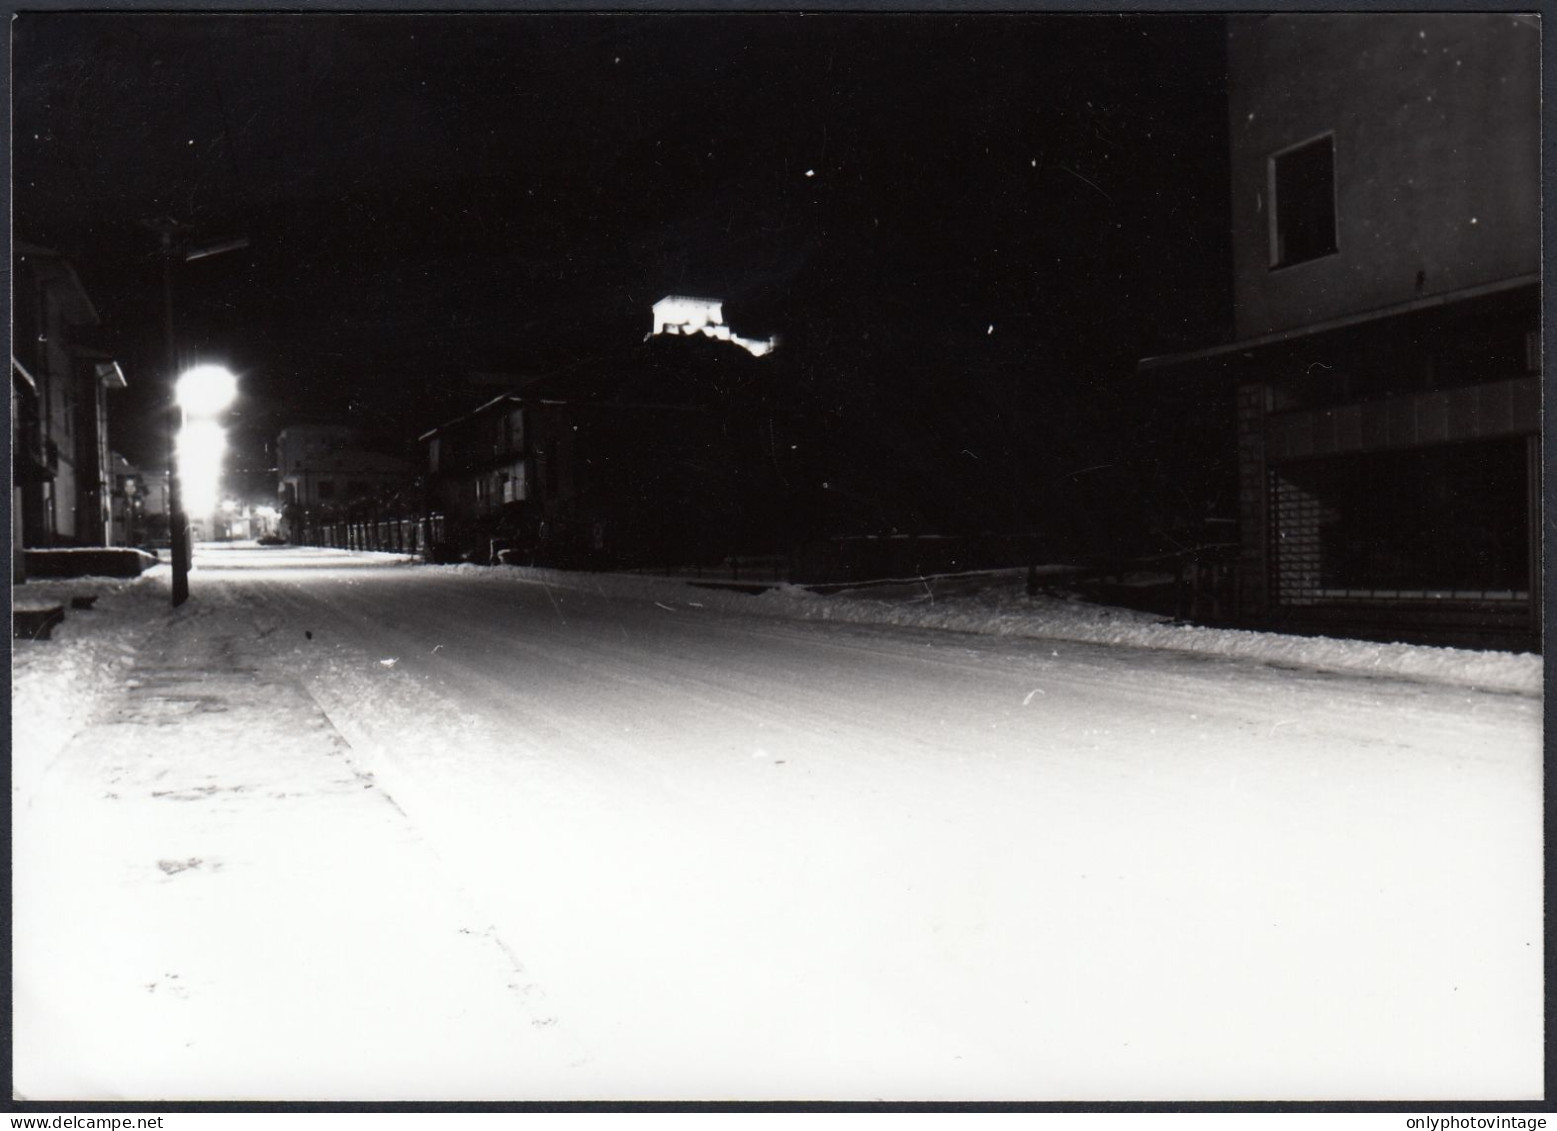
{"x": 431, "y": 195}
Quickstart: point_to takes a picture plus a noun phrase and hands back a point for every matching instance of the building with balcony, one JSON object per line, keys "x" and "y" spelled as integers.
{"x": 325, "y": 471}
{"x": 1385, "y": 367}
{"x": 569, "y": 479}
{"x": 663, "y": 454}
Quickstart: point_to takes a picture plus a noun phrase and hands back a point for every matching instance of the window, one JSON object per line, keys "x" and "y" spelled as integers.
{"x": 514, "y": 484}
{"x": 511, "y": 431}
{"x": 1443, "y": 521}
{"x": 326, "y": 490}
{"x": 1302, "y": 192}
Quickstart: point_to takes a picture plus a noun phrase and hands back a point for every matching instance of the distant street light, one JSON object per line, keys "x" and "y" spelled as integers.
{"x": 230, "y": 518}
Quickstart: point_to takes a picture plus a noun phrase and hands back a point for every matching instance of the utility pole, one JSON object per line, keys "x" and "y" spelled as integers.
{"x": 178, "y": 524}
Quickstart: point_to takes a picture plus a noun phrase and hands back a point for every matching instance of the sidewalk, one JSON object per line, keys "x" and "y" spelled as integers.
{"x": 169, "y": 944}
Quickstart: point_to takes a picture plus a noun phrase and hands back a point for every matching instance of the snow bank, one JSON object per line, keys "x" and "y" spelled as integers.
{"x": 89, "y": 561}
{"x": 56, "y": 684}
{"x": 996, "y": 603}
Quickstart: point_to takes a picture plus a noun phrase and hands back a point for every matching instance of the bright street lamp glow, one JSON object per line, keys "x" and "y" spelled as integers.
{"x": 206, "y": 389}
{"x": 202, "y": 445}
{"x": 199, "y": 499}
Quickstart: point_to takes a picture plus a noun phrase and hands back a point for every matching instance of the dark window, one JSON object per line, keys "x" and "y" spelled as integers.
{"x": 511, "y": 431}
{"x": 1452, "y": 517}
{"x": 1303, "y": 203}
{"x": 326, "y": 490}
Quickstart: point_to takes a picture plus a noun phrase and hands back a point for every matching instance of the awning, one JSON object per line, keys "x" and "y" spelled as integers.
{"x": 1248, "y": 345}
{"x": 109, "y": 373}
{"x": 20, "y": 370}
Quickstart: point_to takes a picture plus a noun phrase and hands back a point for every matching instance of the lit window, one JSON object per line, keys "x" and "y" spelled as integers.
{"x": 514, "y": 484}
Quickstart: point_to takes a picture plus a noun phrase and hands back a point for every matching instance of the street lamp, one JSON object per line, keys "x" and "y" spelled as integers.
{"x": 205, "y": 390}
{"x": 169, "y": 232}
{"x": 201, "y": 393}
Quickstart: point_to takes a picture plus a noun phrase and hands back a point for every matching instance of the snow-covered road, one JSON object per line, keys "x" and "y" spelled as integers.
{"x": 749, "y": 856}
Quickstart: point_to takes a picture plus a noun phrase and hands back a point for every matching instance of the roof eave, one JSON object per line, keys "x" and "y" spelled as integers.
{"x": 1247, "y": 345}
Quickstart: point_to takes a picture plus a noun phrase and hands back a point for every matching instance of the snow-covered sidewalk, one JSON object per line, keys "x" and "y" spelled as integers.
{"x": 170, "y": 944}
{"x": 626, "y": 839}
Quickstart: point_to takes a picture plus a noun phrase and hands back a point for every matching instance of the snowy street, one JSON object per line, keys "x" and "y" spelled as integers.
{"x": 348, "y": 827}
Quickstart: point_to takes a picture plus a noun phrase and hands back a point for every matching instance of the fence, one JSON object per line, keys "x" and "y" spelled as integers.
{"x": 390, "y": 535}
{"x": 836, "y": 561}
{"x": 875, "y": 557}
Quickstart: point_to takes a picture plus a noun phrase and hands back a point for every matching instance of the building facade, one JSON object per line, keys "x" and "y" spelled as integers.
{"x": 680, "y": 314}
{"x": 63, "y": 475}
{"x": 127, "y": 506}
{"x": 573, "y": 482}
{"x": 324, "y": 472}
{"x": 1386, "y": 362}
